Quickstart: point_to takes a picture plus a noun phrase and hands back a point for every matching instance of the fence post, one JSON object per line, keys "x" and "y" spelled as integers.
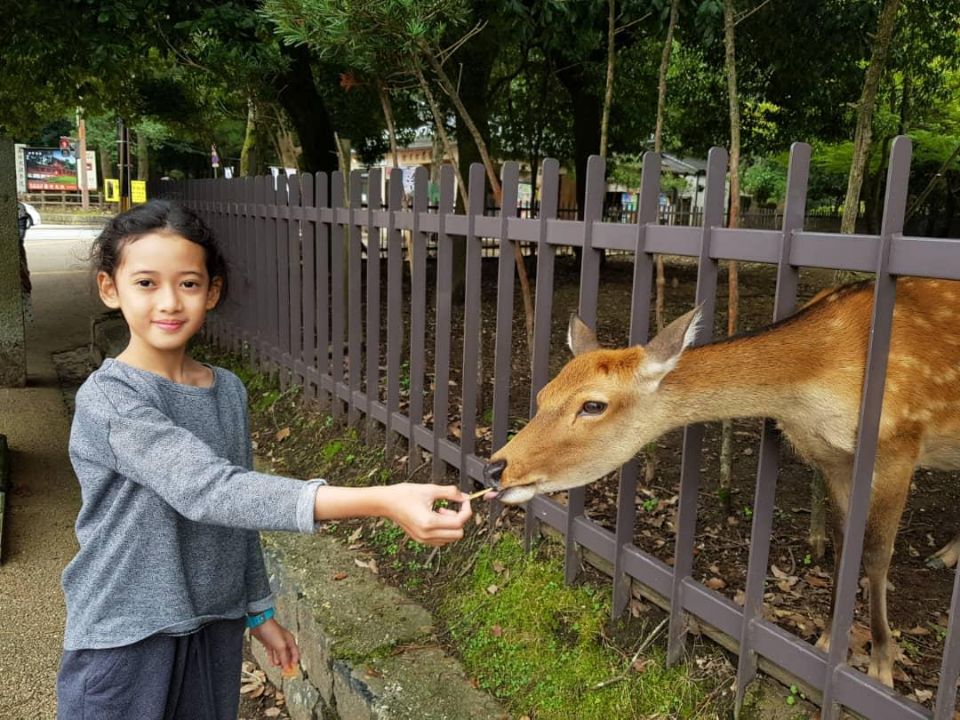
{"x": 589, "y": 281}
{"x": 354, "y": 296}
{"x": 418, "y": 315}
{"x": 693, "y": 434}
{"x": 374, "y": 201}
{"x": 639, "y": 331}
{"x": 337, "y": 290}
{"x": 473, "y": 313}
{"x": 894, "y": 206}
{"x": 543, "y": 313}
{"x": 394, "y": 304}
{"x": 444, "y": 311}
{"x": 768, "y": 464}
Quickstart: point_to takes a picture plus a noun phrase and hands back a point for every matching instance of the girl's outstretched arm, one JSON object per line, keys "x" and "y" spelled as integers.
{"x": 409, "y": 505}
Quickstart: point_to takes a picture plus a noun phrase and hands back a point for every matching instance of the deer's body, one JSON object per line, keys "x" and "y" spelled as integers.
{"x": 805, "y": 372}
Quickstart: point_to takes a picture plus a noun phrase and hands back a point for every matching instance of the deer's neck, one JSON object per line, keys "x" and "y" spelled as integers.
{"x": 753, "y": 376}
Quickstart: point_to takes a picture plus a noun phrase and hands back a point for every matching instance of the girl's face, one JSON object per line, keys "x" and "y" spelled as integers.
{"x": 162, "y": 287}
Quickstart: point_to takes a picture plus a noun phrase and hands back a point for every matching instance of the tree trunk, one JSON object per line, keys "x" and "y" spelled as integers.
{"x": 388, "y": 117}
{"x": 298, "y": 95}
{"x": 865, "y": 108}
{"x": 251, "y": 156}
{"x": 143, "y": 157}
{"x": 611, "y": 62}
{"x": 733, "y": 288}
{"x": 651, "y": 450}
{"x": 454, "y": 96}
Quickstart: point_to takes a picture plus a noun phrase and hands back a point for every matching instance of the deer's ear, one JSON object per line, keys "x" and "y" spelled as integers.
{"x": 663, "y": 352}
{"x": 580, "y": 338}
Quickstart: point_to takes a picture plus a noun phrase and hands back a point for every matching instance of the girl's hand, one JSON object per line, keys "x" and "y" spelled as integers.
{"x": 280, "y": 645}
{"x": 410, "y": 506}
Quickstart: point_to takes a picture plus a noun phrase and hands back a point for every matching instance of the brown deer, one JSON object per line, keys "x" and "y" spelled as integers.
{"x": 806, "y": 372}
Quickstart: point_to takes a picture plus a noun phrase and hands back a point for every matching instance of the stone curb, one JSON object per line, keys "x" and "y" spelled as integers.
{"x": 367, "y": 651}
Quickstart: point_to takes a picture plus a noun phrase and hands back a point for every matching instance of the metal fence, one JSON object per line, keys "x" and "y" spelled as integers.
{"x": 302, "y": 283}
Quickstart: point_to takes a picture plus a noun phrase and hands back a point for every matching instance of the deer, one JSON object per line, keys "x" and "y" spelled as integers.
{"x": 805, "y": 372}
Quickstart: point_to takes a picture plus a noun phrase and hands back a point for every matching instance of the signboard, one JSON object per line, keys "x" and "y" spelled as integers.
{"x": 50, "y": 169}
{"x": 138, "y": 191}
{"x": 21, "y": 168}
{"x": 111, "y": 190}
{"x": 91, "y": 170}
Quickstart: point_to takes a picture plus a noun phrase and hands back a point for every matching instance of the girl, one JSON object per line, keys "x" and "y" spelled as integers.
{"x": 170, "y": 570}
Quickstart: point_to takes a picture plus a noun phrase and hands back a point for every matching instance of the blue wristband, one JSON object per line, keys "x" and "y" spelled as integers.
{"x": 255, "y": 621}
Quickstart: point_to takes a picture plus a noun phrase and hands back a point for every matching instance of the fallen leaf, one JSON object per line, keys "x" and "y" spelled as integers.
{"x": 498, "y": 567}
{"x": 778, "y": 573}
{"x": 716, "y": 583}
{"x": 272, "y": 712}
{"x": 371, "y": 565}
{"x": 356, "y": 535}
{"x": 250, "y": 687}
{"x": 923, "y": 695}
{"x": 282, "y": 434}
{"x": 815, "y": 581}
{"x": 496, "y": 631}
{"x": 339, "y": 576}
{"x": 918, "y": 630}
{"x": 492, "y": 589}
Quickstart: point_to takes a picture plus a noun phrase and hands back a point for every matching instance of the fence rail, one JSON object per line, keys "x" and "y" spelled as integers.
{"x": 298, "y": 254}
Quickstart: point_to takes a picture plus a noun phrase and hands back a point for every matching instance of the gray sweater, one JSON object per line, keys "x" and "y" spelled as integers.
{"x": 171, "y": 508}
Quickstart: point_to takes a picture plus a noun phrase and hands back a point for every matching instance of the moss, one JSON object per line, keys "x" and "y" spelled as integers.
{"x": 538, "y": 644}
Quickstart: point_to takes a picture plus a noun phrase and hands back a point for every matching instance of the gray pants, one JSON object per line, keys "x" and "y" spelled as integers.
{"x": 187, "y": 677}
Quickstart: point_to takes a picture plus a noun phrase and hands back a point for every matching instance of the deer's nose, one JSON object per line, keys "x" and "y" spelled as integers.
{"x": 492, "y": 472}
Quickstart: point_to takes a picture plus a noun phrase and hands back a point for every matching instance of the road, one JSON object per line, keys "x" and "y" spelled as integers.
{"x": 58, "y": 248}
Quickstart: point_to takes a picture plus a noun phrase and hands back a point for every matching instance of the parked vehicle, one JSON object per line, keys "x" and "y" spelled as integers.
{"x": 32, "y": 216}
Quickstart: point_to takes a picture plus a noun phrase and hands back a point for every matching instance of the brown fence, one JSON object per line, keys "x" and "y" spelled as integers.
{"x": 352, "y": 329}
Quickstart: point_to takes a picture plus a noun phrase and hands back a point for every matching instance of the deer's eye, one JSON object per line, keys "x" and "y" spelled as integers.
{"x": 593, "y": 407}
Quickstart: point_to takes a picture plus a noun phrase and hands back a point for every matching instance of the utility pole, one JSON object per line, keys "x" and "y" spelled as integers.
{"x": 82, "y": 160}
{"x": 123, "y": 163}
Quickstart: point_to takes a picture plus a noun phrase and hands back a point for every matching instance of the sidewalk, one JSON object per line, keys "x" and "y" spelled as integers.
{"x": 43, "y": 503}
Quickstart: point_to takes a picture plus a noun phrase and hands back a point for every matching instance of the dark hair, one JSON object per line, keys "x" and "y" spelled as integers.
{"x": 157, "y": 216}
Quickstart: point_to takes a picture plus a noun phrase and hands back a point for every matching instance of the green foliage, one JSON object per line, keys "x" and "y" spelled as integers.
{"x": 766, "y": 180}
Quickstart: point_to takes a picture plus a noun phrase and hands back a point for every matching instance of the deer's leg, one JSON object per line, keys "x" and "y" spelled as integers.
{"x": 947, "y": 556}
{"x": 837, "y": 476}
{"x": 891, "y": 482}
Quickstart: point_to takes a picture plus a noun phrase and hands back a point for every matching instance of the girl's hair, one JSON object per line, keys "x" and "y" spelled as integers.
{"x": 157, "y": 216}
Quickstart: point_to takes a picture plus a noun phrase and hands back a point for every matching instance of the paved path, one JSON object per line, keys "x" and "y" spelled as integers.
{"x": 39, "y": 537}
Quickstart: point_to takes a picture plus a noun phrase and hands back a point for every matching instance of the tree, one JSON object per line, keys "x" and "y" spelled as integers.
{"x": 865, "y": 110}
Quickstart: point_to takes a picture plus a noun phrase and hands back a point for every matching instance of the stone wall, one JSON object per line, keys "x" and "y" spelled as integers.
{"x": 13, "y": 365}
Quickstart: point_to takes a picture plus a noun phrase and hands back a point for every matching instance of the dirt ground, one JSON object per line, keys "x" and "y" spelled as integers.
{"x": 798, "y": 592}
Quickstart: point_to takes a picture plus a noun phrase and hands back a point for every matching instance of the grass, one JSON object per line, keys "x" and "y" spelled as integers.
{"x": 544, "y": 647}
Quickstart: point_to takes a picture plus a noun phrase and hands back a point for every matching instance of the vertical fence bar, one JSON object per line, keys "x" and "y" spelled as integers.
{"x": 506, "y": 268}
{"x": 418, "y": 314}
{"x": 898, "y": 174}
{"x": 587, "y": 309}
{"x": 768, "y": 464}
{"x": 543, "y": 312}
{"x": 472, "y": 316}
{"x": 308, "y": 298}
{"x": 693, "y": 434}
{"x": 337, "y": 290}
{"x": 212, "y": 212}
{"x": 354, "y": 295}
{"x": 261, "y": 248}
{"x": 639, "y": 329}
{"x": 236, "y": 241}
{"x": 283, "y": 278}
{"x": 250, "y": 277}
{"x": 273, "y": 317}
{"x": 394, "y": 303}
{"x": 294, "y": 321}
{"x": 444, "y": 310}
{"x": 322, "y": 190}
{"x": 374, "y": 200}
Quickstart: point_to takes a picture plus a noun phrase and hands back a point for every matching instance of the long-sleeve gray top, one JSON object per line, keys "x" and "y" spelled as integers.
{"x": 171, "y": 508}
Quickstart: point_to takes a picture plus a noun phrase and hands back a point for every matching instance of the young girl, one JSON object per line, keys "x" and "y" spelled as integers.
{"x": 170, "y": 569}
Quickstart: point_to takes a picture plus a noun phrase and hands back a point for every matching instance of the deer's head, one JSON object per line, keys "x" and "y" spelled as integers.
{"x": 599, "y": 410}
